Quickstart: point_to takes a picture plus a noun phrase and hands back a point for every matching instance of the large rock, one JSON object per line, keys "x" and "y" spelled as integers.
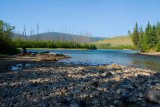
{"x": 154, "y": 96}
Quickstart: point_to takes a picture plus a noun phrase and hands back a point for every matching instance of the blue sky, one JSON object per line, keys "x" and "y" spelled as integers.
{"x": 104, "y": 18}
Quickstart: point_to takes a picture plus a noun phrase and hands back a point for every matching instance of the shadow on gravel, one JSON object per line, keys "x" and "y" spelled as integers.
{"x": 68, "y": 86}
{"x": 8, "y": 61}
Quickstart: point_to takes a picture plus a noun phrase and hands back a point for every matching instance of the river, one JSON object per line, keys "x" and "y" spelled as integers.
{"x": 99, "y": 57}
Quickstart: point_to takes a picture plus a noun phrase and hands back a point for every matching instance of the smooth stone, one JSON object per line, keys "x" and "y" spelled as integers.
{"x": 140, "y": 95}
{"x": 154, "y": 96}
{"x": 74, "y": 105}
{"x": 117, "y": 102}
{"x": 35, "y": 100}
{"x": 119, "y": 91}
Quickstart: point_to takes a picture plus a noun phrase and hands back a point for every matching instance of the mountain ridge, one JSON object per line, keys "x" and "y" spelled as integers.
{"x": 58, "y": 37}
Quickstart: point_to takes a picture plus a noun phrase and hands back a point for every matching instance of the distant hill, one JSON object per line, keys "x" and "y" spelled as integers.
{"x": 59, "y": 36}
{"x": 115, "y": 41}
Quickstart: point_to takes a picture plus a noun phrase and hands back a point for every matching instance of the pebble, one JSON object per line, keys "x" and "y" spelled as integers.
{"x": 117, "y": 102}
{"x": 119, "y": 91}
{"x": 74, "y": 105}
{"x": 64, "y": 85}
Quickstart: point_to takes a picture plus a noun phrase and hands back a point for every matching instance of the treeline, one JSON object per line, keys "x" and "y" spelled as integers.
{"x": 9, "y": 45}
{"x": 6, "y": 43}
{"x": 19, "y": 43}
{"x": 146, "y": 40}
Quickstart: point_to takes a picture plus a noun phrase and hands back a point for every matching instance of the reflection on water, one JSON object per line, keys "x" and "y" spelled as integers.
{"x": 19, "y": 66}
{"x": 16, "y": 67}
{"x": 98, "y": 57}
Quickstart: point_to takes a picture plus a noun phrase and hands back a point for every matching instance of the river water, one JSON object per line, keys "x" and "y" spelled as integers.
{"x": 99, "y": 57}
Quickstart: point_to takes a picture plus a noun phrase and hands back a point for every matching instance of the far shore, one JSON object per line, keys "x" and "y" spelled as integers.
{"x": 70, "y": 49}
{"x": 55, "y": 49}
{"x": 151, "y": 54}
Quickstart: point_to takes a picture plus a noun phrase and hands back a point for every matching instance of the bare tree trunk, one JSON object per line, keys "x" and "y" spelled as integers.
{"x": 24, "y": 32}
{"x": 37, "y": 30}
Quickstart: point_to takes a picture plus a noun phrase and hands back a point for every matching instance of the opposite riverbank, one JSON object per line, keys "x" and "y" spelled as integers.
{"x": 55, "y": 49}
{"x": 55, "y": 84}
{"x": 151, "y": 54}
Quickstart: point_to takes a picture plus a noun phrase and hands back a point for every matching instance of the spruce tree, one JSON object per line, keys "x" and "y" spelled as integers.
{"x": 147, "y": 37}
{"x": 135, "y": 35}
{"x": 153, "y": 39}
{"x": 158, "y": 36}
{"x": 148, "y": 40}
{"x": 141, "y": 39}
{"x": 158, "y": 31}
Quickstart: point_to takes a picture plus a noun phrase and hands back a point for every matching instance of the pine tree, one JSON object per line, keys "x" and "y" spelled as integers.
{"x": 135, "y": 35}
{"x": 146, "y": 45}
{"x": 141, "y": 39}
{"x": 158, "y": 31}
{"x": 158, "y": 36}
{"x": 153, "y": 40}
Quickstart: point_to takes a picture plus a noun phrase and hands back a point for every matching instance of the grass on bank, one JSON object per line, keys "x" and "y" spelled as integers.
{"x": 108, "y": 46}
{"x": 117, "y": 41}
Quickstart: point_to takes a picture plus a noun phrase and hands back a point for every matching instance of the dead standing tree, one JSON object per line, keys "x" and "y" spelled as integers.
{"x": 24, "y": 32}
{"x": 37, "y": 32}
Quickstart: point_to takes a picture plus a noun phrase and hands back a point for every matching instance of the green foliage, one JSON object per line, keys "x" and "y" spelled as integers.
{"x": 6, "y": 44}
{"x": 19, "y": 43}
{"x": 158, "y": 31}
{"x": 135, "y": 36}
{"x": 158, "y": 47}
{"x": 148, "y": 40}
{"x": 141, "y": 37}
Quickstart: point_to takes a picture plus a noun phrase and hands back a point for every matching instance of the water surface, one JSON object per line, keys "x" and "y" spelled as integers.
{"x": 98, "y": 57}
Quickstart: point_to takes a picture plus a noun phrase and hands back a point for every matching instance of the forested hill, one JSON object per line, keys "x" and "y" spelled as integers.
{"x": 58, "y": 37}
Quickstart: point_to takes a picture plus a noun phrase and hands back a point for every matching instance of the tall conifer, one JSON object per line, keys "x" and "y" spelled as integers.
{"x": 135, "y": 36}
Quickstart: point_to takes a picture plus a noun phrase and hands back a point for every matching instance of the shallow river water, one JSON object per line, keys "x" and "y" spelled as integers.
{"x": 98, "y": 57}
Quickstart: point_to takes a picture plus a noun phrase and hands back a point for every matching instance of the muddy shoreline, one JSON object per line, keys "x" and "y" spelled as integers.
{"x": 56, "y": 84}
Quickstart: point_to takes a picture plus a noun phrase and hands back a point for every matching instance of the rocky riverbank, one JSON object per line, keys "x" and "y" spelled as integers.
{"x": 66, "y": 85}
{"x": 7, "y": 62}
{"x": 151, "y": 54}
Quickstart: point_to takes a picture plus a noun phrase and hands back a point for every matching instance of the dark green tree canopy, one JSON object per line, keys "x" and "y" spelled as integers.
{"x": 6, "y": 44}
{"x": 147, "y": 40}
